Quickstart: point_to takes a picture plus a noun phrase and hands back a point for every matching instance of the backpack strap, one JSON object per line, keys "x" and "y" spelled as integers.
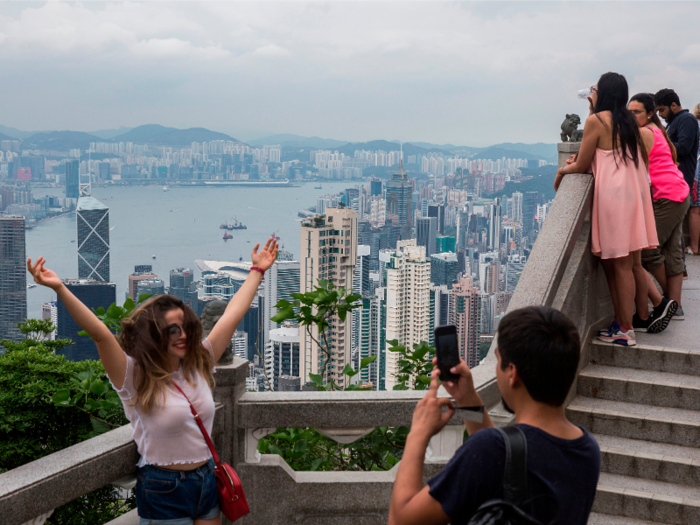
{"x": 515, "y": 475}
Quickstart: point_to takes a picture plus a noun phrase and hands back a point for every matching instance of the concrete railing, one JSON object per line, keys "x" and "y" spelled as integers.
{"x": 561, "y": 272}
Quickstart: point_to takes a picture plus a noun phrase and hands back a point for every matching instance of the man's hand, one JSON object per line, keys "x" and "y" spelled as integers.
{"x": 428, "y": 418}
{"x": 462, "y": 390}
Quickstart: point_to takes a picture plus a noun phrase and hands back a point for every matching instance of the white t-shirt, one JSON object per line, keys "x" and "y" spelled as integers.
{"x": 169, "y": 434}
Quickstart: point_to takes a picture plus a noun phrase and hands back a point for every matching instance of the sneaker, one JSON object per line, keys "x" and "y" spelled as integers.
{"x": 614, "y": 327}
{"x": 679, "y": 315}
{"x": 620, "y": 338}
{"x": 662, "y": 315}
{"x": 642, "y": 325}
{"x": 685, "y": 275}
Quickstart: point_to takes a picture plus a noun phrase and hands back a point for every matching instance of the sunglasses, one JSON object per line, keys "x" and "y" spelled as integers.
{"x": 174, "y": 332}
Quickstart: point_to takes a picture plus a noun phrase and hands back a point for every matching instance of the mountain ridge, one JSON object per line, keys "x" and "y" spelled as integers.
{"x": 155, "y": 134}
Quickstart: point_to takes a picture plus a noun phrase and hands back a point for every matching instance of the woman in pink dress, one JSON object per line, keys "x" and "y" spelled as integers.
{"x": 622, "y": 218}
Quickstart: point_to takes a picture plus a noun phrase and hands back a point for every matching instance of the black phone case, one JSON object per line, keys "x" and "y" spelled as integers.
{"x": 445, "y": 374}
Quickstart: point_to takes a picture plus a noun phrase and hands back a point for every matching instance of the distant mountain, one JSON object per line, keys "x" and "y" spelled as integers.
{"x": 539, "y": 150}
{"x": 111, "y": 133}
{"x": 495, "y": 153}
{"x": 156, "y": 134}
{"x": 15, "y": 133}
{"x": 287, "y": 140}
{"x": 542, "y": 182}
{"x": 384, "y": 145}
{"x": 6, "y": 137}
{"x": 59, "y": 140}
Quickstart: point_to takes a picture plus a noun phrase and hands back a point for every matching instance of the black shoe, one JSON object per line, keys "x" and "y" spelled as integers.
{"x": 663, "y": 313}
{"x": 641, "y": 325}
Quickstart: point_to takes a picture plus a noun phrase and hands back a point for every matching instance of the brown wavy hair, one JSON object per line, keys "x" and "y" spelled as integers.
{"x": 144, "y": 337}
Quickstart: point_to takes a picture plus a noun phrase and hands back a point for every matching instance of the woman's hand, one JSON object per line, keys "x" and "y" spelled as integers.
{"x": 558, "y": 179}
{"x": 267, "y": 255}
{"x": 43, "y": 276}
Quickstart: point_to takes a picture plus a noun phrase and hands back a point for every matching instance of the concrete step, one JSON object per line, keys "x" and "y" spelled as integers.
{"x": 664, "y": 389}
{"x": 607, "y": 519}
{"x": 642, "y": 499}
{"x": 674, "y": 426}
{"x": 654, "y": 461}
{"x": 646, "y": 357}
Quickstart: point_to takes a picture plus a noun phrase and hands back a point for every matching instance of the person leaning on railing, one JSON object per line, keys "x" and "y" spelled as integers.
{"x": 160, "y": 348}
{"x": 537, "y": 358}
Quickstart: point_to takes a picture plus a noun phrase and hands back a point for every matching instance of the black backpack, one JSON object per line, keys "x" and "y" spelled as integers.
{"x": 507, "y": 511}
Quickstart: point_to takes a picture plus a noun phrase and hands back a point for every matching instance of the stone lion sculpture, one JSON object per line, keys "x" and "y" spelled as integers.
{"x": 210, "y": 316}
{"x": 569, "y": 129}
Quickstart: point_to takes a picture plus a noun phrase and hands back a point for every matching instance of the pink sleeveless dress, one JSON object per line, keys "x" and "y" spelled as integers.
{"x": 622, "y": 218}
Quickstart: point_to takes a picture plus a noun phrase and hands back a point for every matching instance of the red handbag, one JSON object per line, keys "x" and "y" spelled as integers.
{"x": 231, "y": 496}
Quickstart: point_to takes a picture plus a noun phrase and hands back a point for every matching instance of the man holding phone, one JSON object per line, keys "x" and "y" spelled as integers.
{"x": 538, "y": 354}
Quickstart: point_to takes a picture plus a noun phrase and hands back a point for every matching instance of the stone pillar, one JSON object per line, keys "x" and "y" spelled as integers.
{"x": 565, "y": 150}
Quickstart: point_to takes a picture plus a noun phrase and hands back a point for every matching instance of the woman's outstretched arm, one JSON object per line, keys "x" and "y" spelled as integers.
{"x": 111, "y": 354}
{"x": 222, "y": 332}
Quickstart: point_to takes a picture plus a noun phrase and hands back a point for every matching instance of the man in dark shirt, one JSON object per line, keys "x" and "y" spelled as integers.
{"x": 538, "y": 354}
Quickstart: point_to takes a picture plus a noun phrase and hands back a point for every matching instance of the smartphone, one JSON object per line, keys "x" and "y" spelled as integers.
{"x": 447, "y": 351}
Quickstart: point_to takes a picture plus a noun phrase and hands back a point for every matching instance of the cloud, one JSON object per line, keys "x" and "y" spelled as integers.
{"x": 272, "y": 51}
{"x": 176, "y": 48}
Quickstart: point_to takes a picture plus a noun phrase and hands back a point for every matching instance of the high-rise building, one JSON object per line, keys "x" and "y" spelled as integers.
{"x": 375, "y": 187}
{"x": 72, "y": 179}
{"x": 444, "y": 268}
{"x": 182, "y": 285}
{"x": 529, "y": 212}
{"x": 151, "y": 287}
{"x": 464, "y": 314}
{"x": 438, "y": 211}
{"x": 360, "y": 281}
{"x": 281, "y": 281}
{"x": 92, "y": 219}
{"x": 218, "y": 285}
{"x": 441, "y": 299}
{"x": 13, "y": 277}
{"x": 282, "y": 354}
{"x": 408, "y": 317}
{"x": 136, "y": 277}
{"x": 288, "y": 384}
{"x": 49, "y": 312}
{"x": 93, "y": 294}
{"x": 517, "y": 206}
{"x": 514, "y": 268}
{"x": 426, "y": 233}
{"x": 368, "y": 339}
{"x": 494, "y": 239}
{"x": 445, "y": 243}
{"x": 328, "y": 251}
{"x": 239, "y": 343}
{"x": 143, "y": 268}
{"x": 398, "y": 196}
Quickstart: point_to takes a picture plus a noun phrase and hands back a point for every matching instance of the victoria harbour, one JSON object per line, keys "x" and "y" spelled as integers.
{"x": 178, "y": 226}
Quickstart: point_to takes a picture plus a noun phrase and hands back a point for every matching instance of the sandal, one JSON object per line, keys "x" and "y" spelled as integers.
{"x": 691, "y": 252}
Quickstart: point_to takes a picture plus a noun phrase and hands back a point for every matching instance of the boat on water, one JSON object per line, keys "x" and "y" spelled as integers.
{"x": 233, "y": 224}
{"x": 31, "y": 285}
{"x": 227, "y": 236}
{"x": 165, "y": 188}
{"x": 153, "y": 256}
{"x": 319, "y": 187}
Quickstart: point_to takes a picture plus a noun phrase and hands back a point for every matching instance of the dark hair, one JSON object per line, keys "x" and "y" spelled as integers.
{"x": 144, "y": 337}
{"x": 647, "y": 100}
{"x": 666, "y": 97}
{"x": 544, "y": 346}
{"x": 612, "y": 96}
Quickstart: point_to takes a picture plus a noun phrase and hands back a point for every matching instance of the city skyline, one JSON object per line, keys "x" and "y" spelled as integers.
{"x": 462, "y": 73}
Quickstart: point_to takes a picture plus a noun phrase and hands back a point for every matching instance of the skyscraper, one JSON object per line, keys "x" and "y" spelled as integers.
{"x": 529, "y": 212}
{"x": 92, "y": 219}
{"x": 407, "y": 302}
{"x": 438, "y": 211}
{"x": 151, "y": 287}
{"x": 281, "y": 281}
{"x": 182, "y": 285}
{"x": 444, "y": 268}
{"x": 398, "y": 196}
{"x": 141, "y": 273}
{"x": 282, "y": 354}
{"x": 72, "y": 179}
{"x": 517, "y": 206}
{"x": 494, "y": 240}
{"x": 445, "y": 243}
{"x": 93, "y": 294}
{"x": 328, "y": 251}
{"x": 426, "y": 233}
{"x": 464, "y": 313}
{"x": 13, "y": 277}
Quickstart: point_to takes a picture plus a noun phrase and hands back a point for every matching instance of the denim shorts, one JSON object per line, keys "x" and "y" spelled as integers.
{"x": 176, "y": 497}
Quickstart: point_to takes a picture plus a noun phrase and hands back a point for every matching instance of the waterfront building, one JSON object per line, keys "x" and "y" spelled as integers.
{"x": 426, "y": 233}
{"x": 280, "y": 282}
{"x": 408, "y": 318}
{"x": 398, "y": 196}
{"x": 444, "y": 269}
{"x": 72, "y": 179}
{"x": 219, "y": 285}
{"x": 92, "y": 219}
{"x": 464, "y": 314}
{"x": 13, "y": 277}
{"x": 150, "y": 286}
{"x": 136, "y": 277}
{"x": 93, "y": 294}
{"x": 328, "y": 251}
{"x": 182, "y": 285}
{"x": 282, "y": 357}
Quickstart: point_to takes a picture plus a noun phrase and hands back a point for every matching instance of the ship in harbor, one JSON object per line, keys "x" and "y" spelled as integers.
{"x": 227, "y": 236}
{"x": 233, "y": 224}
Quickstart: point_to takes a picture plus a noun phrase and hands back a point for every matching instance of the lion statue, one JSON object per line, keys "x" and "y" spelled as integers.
{"x": 569, "y": 129}
{"x": 210, "y": 316}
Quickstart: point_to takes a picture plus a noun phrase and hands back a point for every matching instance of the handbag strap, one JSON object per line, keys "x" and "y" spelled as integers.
{"x": 515, "y": 474}
{"x": 217, "y": 462}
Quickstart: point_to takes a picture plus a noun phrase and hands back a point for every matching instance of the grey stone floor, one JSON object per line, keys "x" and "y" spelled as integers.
{"x": 682, "y": 334}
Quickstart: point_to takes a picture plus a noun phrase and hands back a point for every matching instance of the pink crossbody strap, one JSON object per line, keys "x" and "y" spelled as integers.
{"x": 201, "y": 427}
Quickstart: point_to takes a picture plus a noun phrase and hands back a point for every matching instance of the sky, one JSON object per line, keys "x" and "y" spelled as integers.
{"x": 469, "y": 74}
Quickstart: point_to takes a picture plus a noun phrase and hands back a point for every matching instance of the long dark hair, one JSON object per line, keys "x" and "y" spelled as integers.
{"x": 144, "y": 337}
{"x": 613, "y": 93}
{"x": 647, "y": 100}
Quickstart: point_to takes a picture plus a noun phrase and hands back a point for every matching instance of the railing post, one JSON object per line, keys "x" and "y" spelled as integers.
{"x": 230, "y": 386}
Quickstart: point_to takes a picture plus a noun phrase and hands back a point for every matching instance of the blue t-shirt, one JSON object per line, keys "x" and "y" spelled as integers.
{"x": 565, "y": 469}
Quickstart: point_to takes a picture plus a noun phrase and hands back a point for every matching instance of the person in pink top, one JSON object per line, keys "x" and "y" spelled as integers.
{"x": 622, "y": 218}
{"x": 159, "y": 352}
{"x": 671, "y": 196}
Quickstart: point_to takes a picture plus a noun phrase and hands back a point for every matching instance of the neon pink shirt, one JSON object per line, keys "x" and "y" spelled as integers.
{"x": 667, "y": 181}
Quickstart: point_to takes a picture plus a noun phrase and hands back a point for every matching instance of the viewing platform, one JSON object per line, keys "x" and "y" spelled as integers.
{"x": 641, "y": 403}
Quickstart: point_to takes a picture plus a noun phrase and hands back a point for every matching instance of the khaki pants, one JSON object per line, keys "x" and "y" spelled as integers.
{"x": 669, "y": 226}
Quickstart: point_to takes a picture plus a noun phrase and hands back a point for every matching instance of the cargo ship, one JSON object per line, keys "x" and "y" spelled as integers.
{"x": 227, "y": 236}
{"x": 233, "y": 224}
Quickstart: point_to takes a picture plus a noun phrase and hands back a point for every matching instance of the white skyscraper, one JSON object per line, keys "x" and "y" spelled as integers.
{"x": 281, "y": 281}
{"x": 408, "y": 316}
{"x": 517, "y": 199}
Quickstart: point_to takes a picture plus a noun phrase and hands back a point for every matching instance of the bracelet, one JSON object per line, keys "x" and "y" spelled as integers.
{"x": 262, "y": 272}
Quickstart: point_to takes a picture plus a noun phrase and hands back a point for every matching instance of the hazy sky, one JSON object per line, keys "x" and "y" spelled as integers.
{"x": 462, "y": 73}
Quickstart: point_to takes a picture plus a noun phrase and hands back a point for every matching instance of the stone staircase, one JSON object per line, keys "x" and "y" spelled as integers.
{"x": 642, "y": 404}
